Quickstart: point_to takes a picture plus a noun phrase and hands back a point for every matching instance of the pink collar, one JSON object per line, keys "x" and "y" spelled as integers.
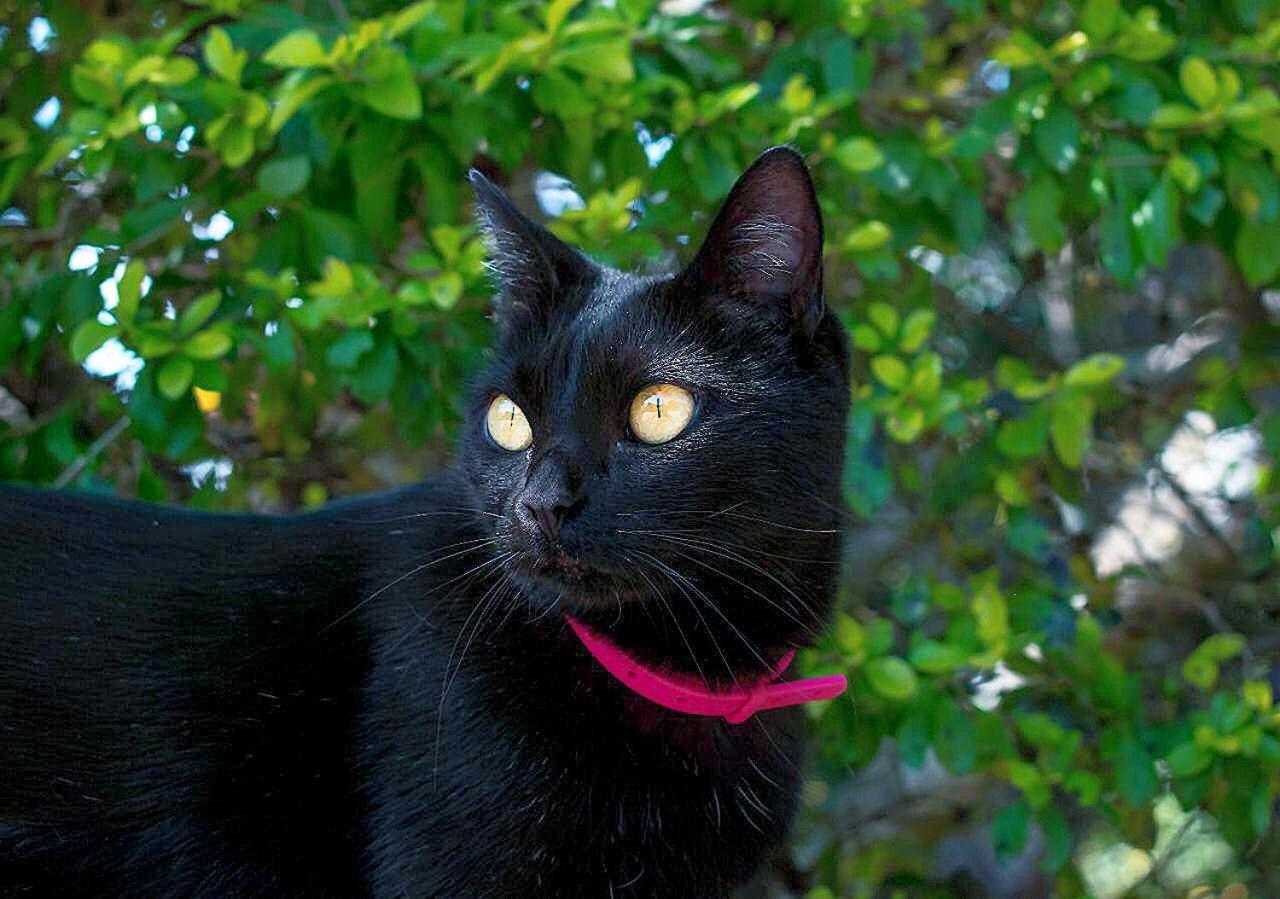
{"x": 684, "y": 694}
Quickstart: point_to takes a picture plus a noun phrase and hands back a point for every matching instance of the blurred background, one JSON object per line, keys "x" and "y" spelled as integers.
{"x": 238, "y": 271}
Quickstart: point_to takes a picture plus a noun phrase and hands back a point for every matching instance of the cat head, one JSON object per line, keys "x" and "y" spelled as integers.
{"x": 663, "y": 454}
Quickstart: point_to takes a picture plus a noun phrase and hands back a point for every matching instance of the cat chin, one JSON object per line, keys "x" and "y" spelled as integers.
{"x": 559, "y": 585}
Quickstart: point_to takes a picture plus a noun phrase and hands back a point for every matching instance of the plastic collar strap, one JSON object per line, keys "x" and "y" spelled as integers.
{"x": 683, "y": 694}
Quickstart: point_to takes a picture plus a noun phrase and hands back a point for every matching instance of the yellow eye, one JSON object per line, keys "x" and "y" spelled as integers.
{"x": 507, "y": 425}
{"x": 660, "y": 412}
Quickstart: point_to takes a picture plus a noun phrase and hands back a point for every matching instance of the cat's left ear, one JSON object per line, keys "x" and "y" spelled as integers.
{"x": 532, "y": 265}
{"x": 766, "y": 242}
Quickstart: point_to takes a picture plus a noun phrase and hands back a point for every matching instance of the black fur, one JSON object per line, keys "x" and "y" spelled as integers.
{"x": 382, "y": 698}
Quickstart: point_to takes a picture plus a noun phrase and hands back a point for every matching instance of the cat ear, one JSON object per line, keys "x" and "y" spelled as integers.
{"x": 766, "y": 241}
{"x": 531, "y": 264}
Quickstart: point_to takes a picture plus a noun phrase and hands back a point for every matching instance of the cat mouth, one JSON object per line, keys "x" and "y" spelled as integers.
{"x": 564, "y": 565}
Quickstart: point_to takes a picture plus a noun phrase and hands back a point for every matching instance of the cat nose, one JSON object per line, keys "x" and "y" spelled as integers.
{"x": 546, "y": 512}
{"x": 550, "y": 496}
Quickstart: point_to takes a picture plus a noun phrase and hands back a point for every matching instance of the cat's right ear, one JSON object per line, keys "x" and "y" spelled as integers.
{"x": 765, "y": 244}
{"x": 532, "y": 266}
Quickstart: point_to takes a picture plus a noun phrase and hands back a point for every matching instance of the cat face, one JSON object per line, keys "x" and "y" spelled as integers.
{"x": 669, "y": 448}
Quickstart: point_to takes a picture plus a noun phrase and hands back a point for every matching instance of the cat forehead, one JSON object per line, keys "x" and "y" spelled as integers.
{"x": 620, "y": 327}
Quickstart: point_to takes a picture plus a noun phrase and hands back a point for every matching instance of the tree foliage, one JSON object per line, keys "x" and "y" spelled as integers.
{"x": 236, "y": 250}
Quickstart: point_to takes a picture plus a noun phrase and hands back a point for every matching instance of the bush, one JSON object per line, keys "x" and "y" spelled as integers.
{"x": 239, "y": 272}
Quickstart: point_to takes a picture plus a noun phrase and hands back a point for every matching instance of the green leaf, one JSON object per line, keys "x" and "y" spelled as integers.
{"x": 1198, "y": 81}
{"x": 345, "y": 352}
{"x": 1070, "y": 426}
{"x": 557, "y": 11}
{"x": 1222, "y": 647}
{"x": 411, "y": 15}
{"x": 1024, "y": 438}
{"x": 130, "y": 292}
{"x": 885, "y": 318}
{"x": 905, "y": 422}
{"x": 1155, "y": 223}
{"x": 152, "y": 343}
{"x": 1256, "y": 252}
{"x": 991, "y": 613}
{"x": 1174, "y": 115}
{"x": 284, "y": 177}
{"x": 1188, "y": 759}
{"x": 233, "y": 140}
{"x": 1184, "y": 172}
{"x": 1142, "y": 39}
{"x": 867, "y": 237}
{"x": 1009, "y": 830}
{"x": 858, "y": 154}
{"x": 209, "y": 344}
{"x": 1200, "y": 671}
{"x": 1041, "y": 206}
{"x": 608, "y": 60}
{"x": 1086, "y": 785}
{"x": 376, "y": 374}
{"x": 556, "y": 93}
{"x": 446, "y": 289}
{"x": 916, "y": 329}
{"x": 222, "y": 57}
{"x": 892, "y": 678}
{"x": 391, "y": 88}
{"x": 1057, "y": 138}
{"x": 1100, "y": 18}
{"x": 890, "y": 371}
{"x": 851, "y": 639}
{"x": 955, "y": 740}
{"x": 88, "y": 336}
{"x": 1019, "y": 51}
{"x": 1260, "y": 809}
{"x": 926, "y": 376}
{"x": 935, "y": 657}
{"x": 1135, "y": 773}
{"x": 1116, "y": 243}
{"x": 198, "y": 312}
{"x": 297, "y": 49}
{"x": 1094, "y": 370}
{"x": 295, "y": 90}
{"x": 1058, "y": 839}
{"x": 278, "y": 347}
{"x": 867, "y": 338}
{"x": 913, "y": 737}
{"x": 175, "y": 376}
{"x": 1207, "y": 204}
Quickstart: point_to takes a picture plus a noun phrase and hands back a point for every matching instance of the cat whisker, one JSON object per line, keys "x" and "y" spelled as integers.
{"x": 662, "y": 600}
{"x": 477, "y": 609}
{"x": 759, "y": 719}
{"x": 438, "y": 512}
{"x": 489, "y": 600}
{"x": 694, "y": 534}
{"x": 470, "y": 575}
{"x": 676, "y": 579}
{"x": 694, "y": 594}
{"x": 708, "y": 546}
{"x": 725, "y": 550}
{"x": 475, "y": 544}
{"x": 711, "y": 513}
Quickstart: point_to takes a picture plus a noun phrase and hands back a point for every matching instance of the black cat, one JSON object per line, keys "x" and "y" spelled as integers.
{"x": 390, "y": 696}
